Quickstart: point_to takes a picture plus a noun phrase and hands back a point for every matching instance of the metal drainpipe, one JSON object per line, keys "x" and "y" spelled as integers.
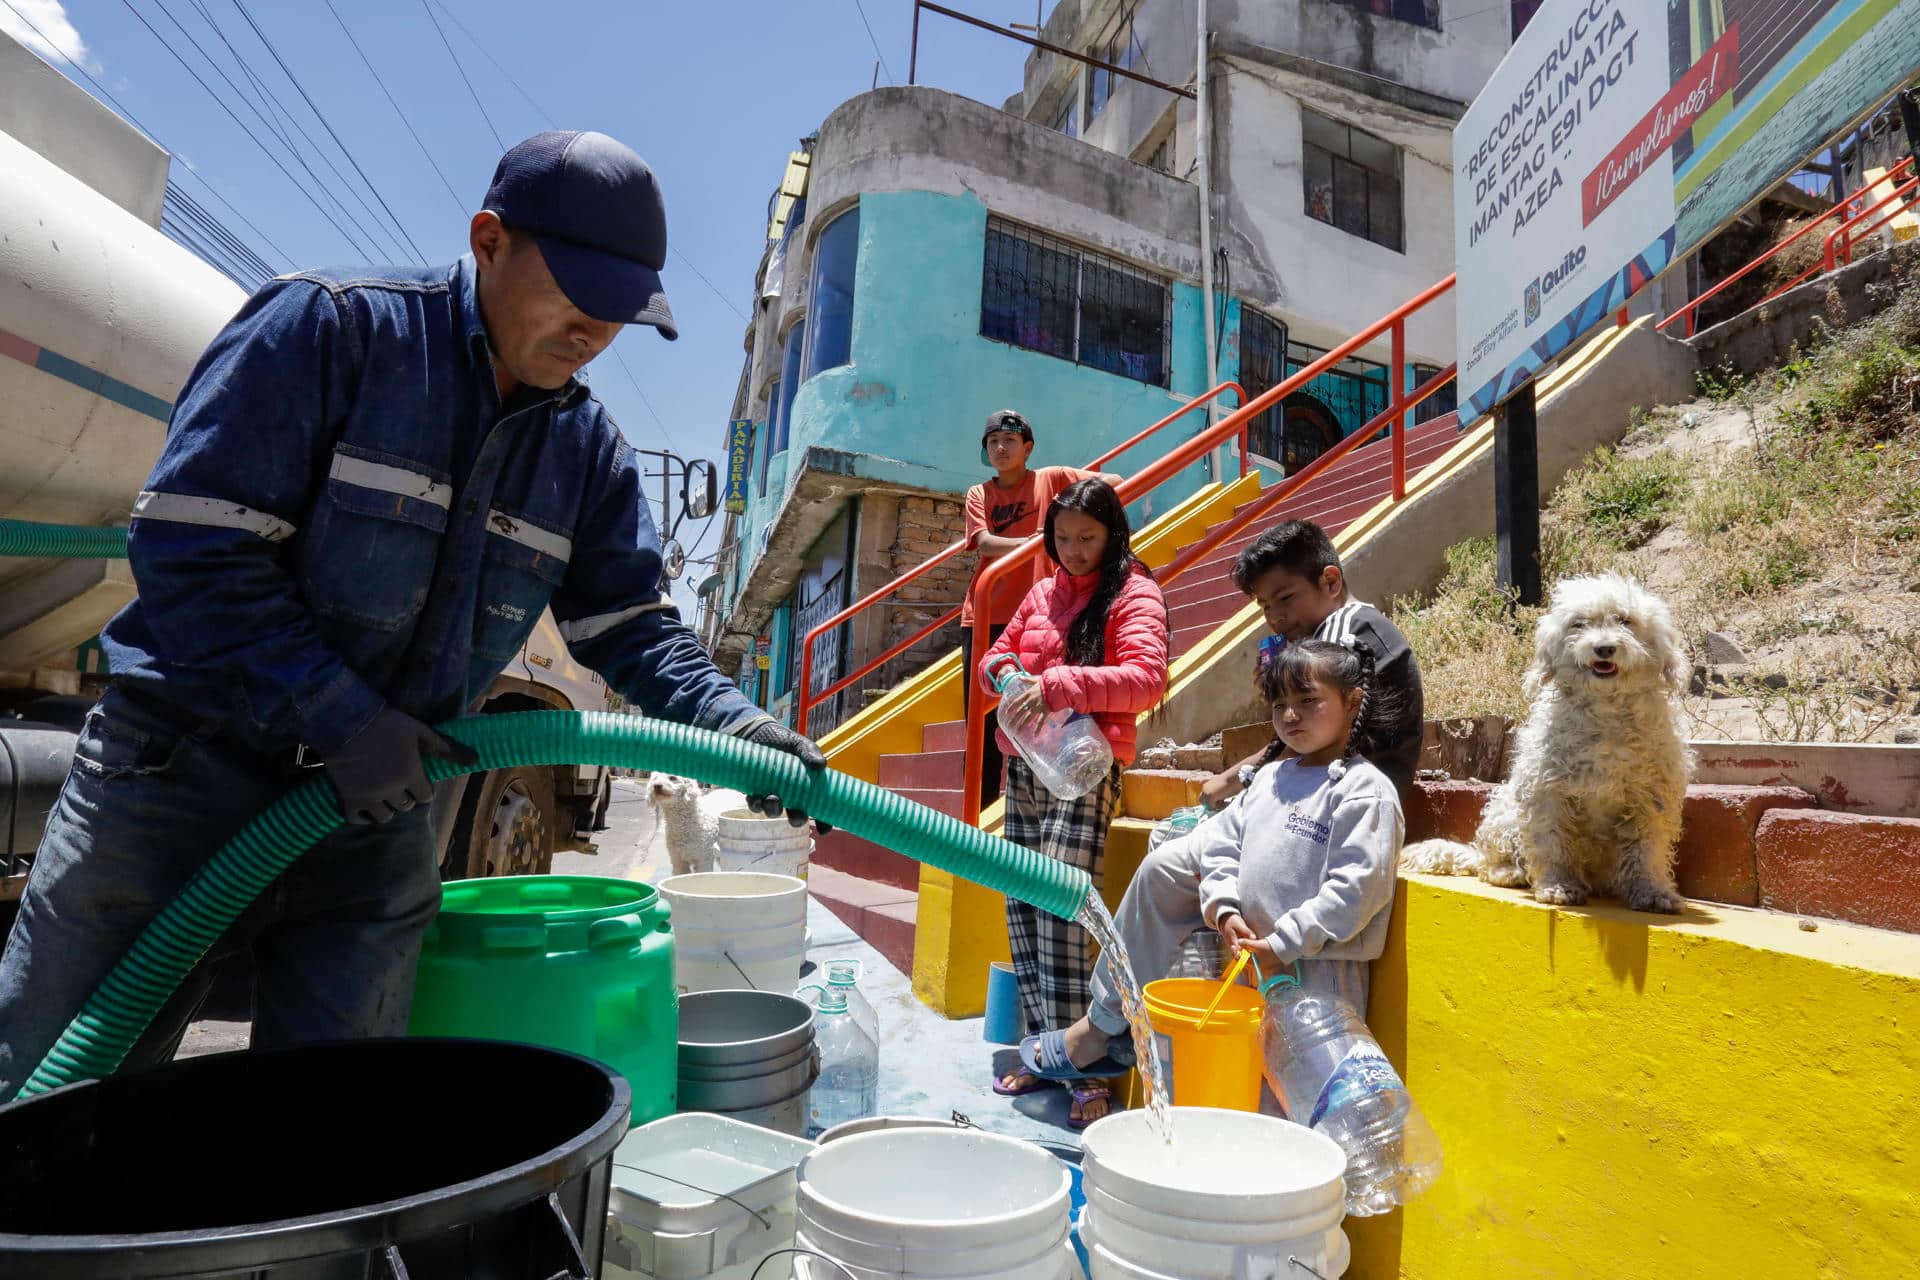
{"x": 1203, "y": 147}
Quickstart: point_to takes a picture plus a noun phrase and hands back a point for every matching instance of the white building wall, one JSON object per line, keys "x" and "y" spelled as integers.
{"x": 1324, "y": 282}
{"x": 1452, "y": 62}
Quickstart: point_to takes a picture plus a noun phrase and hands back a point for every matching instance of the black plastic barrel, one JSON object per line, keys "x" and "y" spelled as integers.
{"x": 424, "y": 1159}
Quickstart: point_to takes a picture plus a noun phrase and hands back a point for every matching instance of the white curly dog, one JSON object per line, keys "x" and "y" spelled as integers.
{"x": 1593, "y": 799}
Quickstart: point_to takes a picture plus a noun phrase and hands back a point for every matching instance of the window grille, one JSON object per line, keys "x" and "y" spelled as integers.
{"x": 1440, "y": 403}
{"x": 1355, "y": 389}
{"x": 1047, "y": 295}
{"x": 1263, "y": 345}
{"x": 1352, "y": 181}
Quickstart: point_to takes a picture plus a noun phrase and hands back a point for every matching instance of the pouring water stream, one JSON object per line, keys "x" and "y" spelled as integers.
{"x": 1097, "y": 920}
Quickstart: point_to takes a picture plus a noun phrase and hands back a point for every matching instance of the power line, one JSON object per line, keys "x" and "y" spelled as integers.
{"x": 547, "y": 116}
{"x": 463, "y": 75}
{"x": 328, "y": 126}
{"x": 222, "y": 103}
{"x": 276, "y": 109}
{"x": 862, "y": 11}
{"x": 651, "y": 411}
{"x": 424, "y": 149}
{"x": 135, "y": 122}
{"x": 475, "y": 42}
{"x": 284, "y": 138}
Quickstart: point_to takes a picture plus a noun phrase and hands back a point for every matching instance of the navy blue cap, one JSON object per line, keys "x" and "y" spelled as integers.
{"x": 594, "y": 208}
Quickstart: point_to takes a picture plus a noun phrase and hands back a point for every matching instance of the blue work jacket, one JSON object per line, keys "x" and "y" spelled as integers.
{"x": 346, "y": 516}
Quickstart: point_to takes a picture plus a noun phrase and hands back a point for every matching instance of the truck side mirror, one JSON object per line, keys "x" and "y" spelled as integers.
{"x": 705, "y": 500}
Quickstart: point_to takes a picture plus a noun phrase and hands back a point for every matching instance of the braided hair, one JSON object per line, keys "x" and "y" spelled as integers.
{"x": 1087, "y": 633}
{"x": 1340, "y": 669}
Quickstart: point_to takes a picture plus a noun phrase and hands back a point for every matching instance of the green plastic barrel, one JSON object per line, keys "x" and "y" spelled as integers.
{"x": 581, "y": 963}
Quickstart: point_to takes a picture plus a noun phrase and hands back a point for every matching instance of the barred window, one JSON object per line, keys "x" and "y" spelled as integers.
{"x": 1441, "y": 402}
{"x": 1050, "y": 296}
{"x": 1263, "y": 346}
{"x": 1352, "y": 180}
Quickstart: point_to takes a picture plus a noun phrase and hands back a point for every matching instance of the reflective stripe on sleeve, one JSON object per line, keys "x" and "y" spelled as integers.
{"x": 529, "y": 535}
{"x": 601, "y": 623}
{"x": 390, "y": 479}
{"x": 216, "y": 513}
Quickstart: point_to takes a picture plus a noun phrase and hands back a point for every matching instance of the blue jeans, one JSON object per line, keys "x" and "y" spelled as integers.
{"x": 335, "y": 939}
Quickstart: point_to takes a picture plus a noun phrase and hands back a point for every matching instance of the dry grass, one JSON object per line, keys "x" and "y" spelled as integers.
{"x": 1792, "y": 523}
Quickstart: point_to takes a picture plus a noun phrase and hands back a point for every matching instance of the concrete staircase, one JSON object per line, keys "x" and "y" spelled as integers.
{"x": 874, "y": 890}
{"x": 1204, "y": 596}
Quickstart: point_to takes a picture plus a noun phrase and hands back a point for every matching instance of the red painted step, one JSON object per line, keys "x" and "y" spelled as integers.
{"x": 882, "y": 914}
{"x": 854, "y": 856}
{"x": 948, "y": 735}
{"x": 928, "y": 770}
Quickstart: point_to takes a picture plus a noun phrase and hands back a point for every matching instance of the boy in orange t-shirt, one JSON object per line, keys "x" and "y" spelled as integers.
{"x": 1002, "y": 513}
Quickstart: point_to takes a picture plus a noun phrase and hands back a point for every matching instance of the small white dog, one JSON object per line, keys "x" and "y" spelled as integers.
{"x": 1593, "y": 799}
{"x": 690, "y": 812}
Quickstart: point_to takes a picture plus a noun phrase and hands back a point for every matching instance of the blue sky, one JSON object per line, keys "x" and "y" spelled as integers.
{"x": 713, "y": 94}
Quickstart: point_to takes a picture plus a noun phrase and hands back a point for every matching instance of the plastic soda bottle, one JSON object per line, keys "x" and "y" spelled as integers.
{"x": 845, "y": 974}
{"x": 1327, "y": 1069}
{"x": 848, "y": 1087}
{"x": 1066, "y": 750}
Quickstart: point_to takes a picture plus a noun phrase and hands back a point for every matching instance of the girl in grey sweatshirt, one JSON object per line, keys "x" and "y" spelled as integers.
{"x": 1301, "y": 866}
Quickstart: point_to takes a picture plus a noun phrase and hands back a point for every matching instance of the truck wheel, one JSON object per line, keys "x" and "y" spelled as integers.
{"x": 505, "y": 826}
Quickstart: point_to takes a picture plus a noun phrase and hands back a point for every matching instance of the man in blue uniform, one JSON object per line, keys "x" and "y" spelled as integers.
{"x": 373, "y": 483}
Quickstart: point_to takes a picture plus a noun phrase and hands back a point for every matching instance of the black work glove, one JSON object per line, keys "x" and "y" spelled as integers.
{"x": 379, "y": 774}
{"x": 771, "y": 733}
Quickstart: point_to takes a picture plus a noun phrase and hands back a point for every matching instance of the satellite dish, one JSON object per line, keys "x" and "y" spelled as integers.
{"x": 673, "y": 561}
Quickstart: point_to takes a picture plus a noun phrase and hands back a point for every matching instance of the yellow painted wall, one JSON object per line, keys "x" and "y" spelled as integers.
{"x": 1623, "y": 1095}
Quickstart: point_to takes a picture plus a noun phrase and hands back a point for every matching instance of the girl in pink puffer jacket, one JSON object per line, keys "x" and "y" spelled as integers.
{"x": 1095, "y": 635}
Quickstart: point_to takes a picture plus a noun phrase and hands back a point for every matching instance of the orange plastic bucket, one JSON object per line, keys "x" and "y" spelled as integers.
{"x": 1220, "y": 1065}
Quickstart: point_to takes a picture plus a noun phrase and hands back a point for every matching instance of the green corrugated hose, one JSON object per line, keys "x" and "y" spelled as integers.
{"x": 96, "y": 1041}
{"x": 68, "y": 541}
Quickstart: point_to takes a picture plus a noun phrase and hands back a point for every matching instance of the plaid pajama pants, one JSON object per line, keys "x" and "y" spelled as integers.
{"x": 1053, "y": 958}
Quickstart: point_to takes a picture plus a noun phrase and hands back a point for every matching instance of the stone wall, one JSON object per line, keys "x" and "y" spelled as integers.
{"x": 896, "y": 533}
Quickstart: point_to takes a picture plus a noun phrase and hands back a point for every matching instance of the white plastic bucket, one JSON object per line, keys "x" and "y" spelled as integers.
{"x": 874, "y": 1124}
{"x": 735, "y": 929}
{"x": 702, "y": 1197}
{"x": 1238, "y": 1194}
{"x": 933, "y": 1204}
{"x": 749, "y": 842}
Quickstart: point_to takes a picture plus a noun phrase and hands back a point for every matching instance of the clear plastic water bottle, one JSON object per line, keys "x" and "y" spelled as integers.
{"x": 1326, "y": 1067}
{"x": 848, "y": 1087}
{"x": 1066, "y": 750}
{"x": 1176, "y": 824}
{"x": 845, "y": 974}
{"x": 1202, "y": 955}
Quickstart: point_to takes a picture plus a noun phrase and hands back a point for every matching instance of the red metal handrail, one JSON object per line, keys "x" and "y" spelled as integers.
{"x": 1267, "y": 502}
{"x": 808, "y": 700}
{"x": 1690, "y": 310}
{"x": 1157, "y": 472}
{"x": 1844, "y": 233}
{"x": 1827, "y": 260}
